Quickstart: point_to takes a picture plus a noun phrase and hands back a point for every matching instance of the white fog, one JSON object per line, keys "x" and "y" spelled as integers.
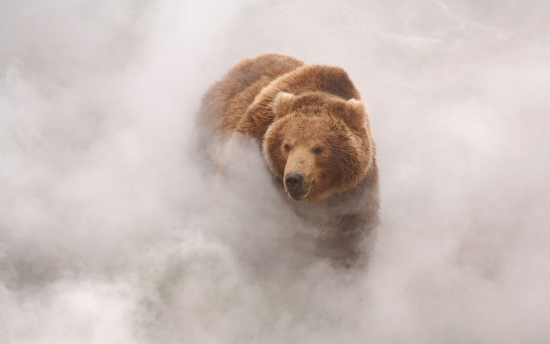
{"x": 111, "y": 233}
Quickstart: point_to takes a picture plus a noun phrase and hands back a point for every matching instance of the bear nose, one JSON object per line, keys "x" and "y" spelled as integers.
{"x": 293, "y": 180}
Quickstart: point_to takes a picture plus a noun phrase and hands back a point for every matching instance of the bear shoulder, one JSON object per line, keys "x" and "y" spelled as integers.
{"x": 227, "y": 99}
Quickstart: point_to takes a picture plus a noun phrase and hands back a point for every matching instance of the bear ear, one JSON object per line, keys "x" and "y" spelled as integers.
{"x": 355, "y": 114}
{"x": 282, "y": 104}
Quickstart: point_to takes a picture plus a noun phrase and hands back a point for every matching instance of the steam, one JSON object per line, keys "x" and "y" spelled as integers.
{"x": 110, "y": 230}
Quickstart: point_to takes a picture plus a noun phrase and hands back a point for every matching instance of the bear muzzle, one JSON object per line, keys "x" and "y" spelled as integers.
{"x": 296, "y": 187}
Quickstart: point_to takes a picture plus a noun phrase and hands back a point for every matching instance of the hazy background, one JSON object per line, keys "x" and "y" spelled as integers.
{"x": 110, "y": 234}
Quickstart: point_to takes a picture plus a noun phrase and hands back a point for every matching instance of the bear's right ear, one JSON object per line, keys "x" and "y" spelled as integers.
{"x": 282, "y": 104}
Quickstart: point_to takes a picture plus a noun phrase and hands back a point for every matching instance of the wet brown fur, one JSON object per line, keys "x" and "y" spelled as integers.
{"x": 308, "y": 119}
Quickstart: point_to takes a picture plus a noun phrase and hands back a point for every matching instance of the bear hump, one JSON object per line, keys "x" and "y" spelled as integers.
{"x": 319, "y": 78}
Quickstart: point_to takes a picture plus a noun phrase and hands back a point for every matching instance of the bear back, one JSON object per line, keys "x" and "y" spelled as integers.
{"x": 308, "y": 78}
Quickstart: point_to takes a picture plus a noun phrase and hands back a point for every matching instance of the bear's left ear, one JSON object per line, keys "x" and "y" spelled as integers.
{"x": 282, "y": 104}
{"x": 355, "y": 114}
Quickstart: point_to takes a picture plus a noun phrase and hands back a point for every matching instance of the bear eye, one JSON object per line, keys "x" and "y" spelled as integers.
{"x": 287, "y": 147}
{"x": 318, "y": 150}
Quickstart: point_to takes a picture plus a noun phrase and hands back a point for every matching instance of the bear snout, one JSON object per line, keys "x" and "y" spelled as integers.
{"x": 296, "y": 187}
{"x": 293, "y": 181}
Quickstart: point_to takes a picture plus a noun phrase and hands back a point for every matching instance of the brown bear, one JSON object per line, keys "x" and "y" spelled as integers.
{"x": 314, "y": 131}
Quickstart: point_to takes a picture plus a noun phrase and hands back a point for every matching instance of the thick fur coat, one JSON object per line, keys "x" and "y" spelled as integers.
{"x": 315, "y": 134}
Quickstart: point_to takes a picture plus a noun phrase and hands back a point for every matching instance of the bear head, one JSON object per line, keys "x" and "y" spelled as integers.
{"x": 318, "y": 144}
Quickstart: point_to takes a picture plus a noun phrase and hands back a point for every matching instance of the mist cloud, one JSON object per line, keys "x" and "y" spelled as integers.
{"x": 111, "y": 232}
